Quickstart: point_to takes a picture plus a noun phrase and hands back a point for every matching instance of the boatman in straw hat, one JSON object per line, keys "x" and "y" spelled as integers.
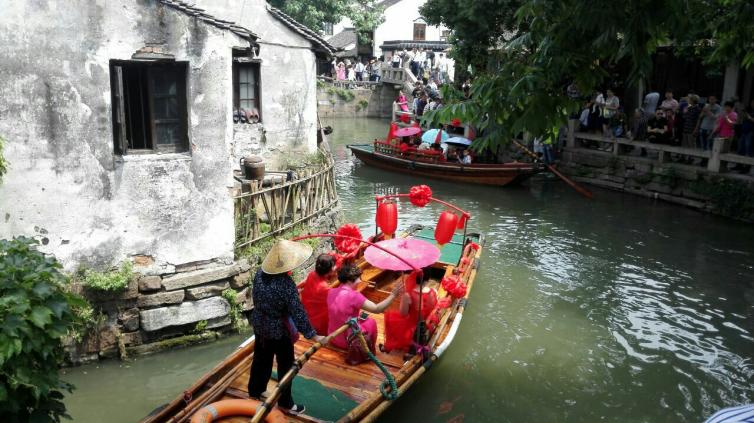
{"x": 277, "y": 318}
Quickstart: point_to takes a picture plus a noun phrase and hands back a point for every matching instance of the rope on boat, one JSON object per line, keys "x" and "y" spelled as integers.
{"x": 389, "y": 379}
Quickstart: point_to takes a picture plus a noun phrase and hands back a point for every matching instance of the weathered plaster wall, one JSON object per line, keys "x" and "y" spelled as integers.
{"x": 288, "y": 75}
{"x": 94, "y": 207}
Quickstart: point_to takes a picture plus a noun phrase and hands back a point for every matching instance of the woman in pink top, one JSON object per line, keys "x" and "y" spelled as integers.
{"x": 345, "y": 302}
{"x": 725, "y": 122}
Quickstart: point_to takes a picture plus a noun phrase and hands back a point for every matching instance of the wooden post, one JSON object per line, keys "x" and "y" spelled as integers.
{"x": 661, "y": 156}
{"x": 719, "y": 146}
{"x": 616, "y": 147}
{"x": 571, "y": 136}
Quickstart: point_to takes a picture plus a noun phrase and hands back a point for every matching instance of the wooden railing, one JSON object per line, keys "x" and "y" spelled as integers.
{"x": 716, "y": 159}
{"x": 270, "y": 211}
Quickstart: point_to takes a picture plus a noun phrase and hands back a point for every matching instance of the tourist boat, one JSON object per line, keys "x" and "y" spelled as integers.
{"x": 388, "y": 157}
{"x": 331, "y": 389}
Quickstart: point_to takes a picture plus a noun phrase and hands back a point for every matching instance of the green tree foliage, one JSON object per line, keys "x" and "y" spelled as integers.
{"x": 573, "y": 42}
{"x": 35, "y": 313}
{"x": 477, "y": 25}
{"x": 364, "y": 14}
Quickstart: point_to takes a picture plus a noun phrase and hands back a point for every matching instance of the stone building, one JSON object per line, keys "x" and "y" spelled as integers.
{"x": 118, "y": 118}
{"x": 123, "y": 121}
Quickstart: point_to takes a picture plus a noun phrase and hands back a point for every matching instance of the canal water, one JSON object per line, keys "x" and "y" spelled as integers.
{"x": 612, "y": 309}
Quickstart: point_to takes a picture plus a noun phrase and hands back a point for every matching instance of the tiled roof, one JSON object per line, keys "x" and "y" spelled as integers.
{"x": 343, "y": 39}
{"x": 387, "y": 3}
{"x": 318, "y": 42}
{"x": 198, "y": 13}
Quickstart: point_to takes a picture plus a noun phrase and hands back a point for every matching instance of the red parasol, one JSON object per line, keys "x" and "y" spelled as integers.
{"x": 407, "y": 132}
{"x": 415, "y": 251}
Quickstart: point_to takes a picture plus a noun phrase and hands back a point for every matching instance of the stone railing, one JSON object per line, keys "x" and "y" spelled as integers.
{"x": 692, "y": 177}
{"x": 348, "y": 84}
{"x": 716, "y": 159}
{"x": 398, "y": 76}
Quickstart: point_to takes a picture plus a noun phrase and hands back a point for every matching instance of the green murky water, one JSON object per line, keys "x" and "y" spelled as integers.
{"x": 615, "y": 309}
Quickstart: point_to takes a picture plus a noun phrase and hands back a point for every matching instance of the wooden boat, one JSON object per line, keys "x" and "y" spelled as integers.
{"x": 330, "y": 389}
{"x": 388, "y": 157}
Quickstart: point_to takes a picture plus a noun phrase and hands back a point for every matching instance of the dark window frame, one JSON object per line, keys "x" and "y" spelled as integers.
{"x": 144, "y": 73}
{"x": 256, "y": 67}
{"x": 421, "y": 34}
{"x": 327, "y": 28}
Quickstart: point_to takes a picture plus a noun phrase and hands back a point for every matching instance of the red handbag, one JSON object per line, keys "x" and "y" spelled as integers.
{"x": 356, "y": 354}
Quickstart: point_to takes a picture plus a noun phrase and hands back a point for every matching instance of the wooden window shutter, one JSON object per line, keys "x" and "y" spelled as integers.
{"x": 121, "y": 142}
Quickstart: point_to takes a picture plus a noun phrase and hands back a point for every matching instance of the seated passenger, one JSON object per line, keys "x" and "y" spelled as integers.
{"x": 345, "y": 302}
{"x": 465, "y": 158}
{"x": 314, "y": 292}
{"x": 400, "y": 325}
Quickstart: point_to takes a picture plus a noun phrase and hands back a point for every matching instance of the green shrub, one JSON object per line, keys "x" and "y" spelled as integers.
{"x": 201, "y": 326}
{"x": 345, "y": 95}
{"x": 729, "y": 197}
{"x": 36, "y": 312}
{"x": 363, "y": 103}
{"x": 115, "y": 280}
{"x": 236, "y": 311}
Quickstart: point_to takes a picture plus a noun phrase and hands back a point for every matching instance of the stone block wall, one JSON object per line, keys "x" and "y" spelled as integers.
{"x": 727, "y": 194}
{"x": 378, "y": 101}
{"x": 161, "y": 309}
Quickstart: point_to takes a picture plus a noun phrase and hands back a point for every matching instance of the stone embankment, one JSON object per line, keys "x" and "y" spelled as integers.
{"x": 664, "y": 173}
{"x": 158, "y": 311}
{"x": 355, "y": 99}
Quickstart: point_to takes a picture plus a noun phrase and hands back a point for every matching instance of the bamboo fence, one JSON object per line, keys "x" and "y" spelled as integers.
{"x": 270, "y": 211}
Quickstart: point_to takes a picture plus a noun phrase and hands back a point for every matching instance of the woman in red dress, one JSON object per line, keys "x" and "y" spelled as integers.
{"x": 314, "y": 292}
{"x": 400, "y": 325}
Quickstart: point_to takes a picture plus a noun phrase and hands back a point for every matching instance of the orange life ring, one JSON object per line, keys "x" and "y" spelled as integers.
{"x": 235, "y": 407}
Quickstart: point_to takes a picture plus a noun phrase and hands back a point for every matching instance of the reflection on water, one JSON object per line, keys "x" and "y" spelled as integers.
{"x": 618, "y": 308}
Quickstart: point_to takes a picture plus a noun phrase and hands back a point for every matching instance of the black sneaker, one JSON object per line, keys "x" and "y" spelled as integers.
{"x": 295, "y": 410}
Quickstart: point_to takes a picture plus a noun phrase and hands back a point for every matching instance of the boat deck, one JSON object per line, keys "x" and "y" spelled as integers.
{"x": 328, "y": 386}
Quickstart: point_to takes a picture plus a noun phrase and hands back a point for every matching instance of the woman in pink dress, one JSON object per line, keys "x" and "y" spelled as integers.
{"x": 345, "y": 302}
{"x": 341, "y": 71}
{"x": 725, "y": 122}
{"x": 403, "y": 104}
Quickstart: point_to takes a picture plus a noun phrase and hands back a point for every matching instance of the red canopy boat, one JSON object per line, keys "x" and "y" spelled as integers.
{"x": 430, "y": 165}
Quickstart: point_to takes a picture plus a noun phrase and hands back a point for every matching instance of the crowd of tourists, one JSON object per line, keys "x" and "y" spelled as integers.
{"x": 314, "y": 309}
{"x": 691, "y": 122}
{"x": 358, "y": 70}
{"x": 426, "y": 65}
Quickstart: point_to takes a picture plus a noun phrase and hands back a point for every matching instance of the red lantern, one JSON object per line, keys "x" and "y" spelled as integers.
{"x": 462, "y": 221}
{"x": 387, "y": 217}
{"x": 446, "y": 226}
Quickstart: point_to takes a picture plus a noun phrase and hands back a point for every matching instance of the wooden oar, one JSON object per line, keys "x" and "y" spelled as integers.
{"x": 267, "y": 405}
{"x": 583, "y": 191}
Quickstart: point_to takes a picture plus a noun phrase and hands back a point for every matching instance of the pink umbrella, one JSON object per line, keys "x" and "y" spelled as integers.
{"x": 407, "y": 132}
{"x": 415, "y": 251}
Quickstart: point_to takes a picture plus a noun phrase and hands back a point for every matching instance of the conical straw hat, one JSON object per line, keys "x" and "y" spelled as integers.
{"x": 285, "y": 256}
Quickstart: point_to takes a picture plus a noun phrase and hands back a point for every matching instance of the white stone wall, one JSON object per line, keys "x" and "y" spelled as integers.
{"x": 399, "y": 24}
{"x": 65, "y": 183}
{"x": 288, "y": 75}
